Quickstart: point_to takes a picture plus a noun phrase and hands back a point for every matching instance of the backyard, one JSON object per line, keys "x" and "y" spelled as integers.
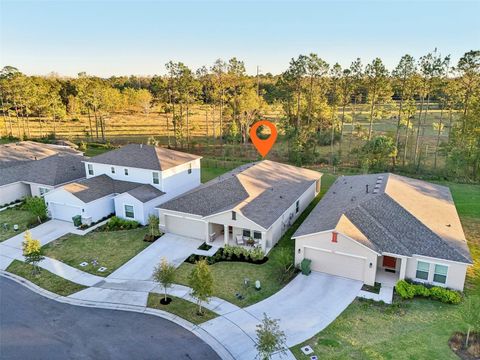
{"x": 416, "y": 329}
{"x": 229, "y": 276}
{"x": 110, "y": 249}
{"x": 23, "y": 218}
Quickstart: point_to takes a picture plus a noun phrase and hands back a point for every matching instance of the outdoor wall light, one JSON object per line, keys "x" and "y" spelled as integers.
{"x": 299, "y": 250}
{"x": 370, "y": 266}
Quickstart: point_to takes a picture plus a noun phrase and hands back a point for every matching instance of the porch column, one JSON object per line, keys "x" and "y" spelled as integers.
{"x": 207, "y": 232}
{"x": 403, "y": 268}
{"x": 264, "y": 241}
{"x": 225, "y": 234}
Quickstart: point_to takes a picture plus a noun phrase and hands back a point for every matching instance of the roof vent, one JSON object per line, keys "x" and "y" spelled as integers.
{"x": 375, "y": 191}
{"x": 366, "y": 188}
{"x": 141, "y": 146}
{"x": 449, "y": 225}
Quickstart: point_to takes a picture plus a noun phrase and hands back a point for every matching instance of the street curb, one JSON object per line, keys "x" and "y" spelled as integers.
{"x": 195, "y": 329}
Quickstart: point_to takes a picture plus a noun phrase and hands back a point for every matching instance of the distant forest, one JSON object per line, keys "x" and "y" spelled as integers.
{"x": 424, "y": 116}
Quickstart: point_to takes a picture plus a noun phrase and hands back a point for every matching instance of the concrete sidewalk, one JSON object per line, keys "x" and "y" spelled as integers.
{"x": 45, "y": 233}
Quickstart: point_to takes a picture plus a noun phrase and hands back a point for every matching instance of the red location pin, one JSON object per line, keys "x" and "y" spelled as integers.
{"x": 263, "y": 146}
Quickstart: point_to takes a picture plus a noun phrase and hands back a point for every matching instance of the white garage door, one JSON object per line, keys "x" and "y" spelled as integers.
{"x": 186, "y": 227}
{"x": 65, "y": 212}
{"x": 336, "y": 264}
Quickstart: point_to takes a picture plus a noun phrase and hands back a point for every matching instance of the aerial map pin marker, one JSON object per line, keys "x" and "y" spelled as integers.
{"x": 263, "y": 146}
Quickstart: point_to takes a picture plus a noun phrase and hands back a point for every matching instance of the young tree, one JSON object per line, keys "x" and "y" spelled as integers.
{"x": 164, "y": 274}
{"x": 36, "y": 205}
{"x": 201, "y": 282}
{"x": 270, "y": 338}
{"x": 470, "y": 313}
{"x": 153, "y": 223}
{"x": 32, "y": 251}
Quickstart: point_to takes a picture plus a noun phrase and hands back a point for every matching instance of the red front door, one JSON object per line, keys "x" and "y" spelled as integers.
{"x": 389, "y": 262}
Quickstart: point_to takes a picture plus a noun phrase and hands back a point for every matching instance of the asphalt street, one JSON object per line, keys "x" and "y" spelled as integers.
{"x": 34, "y": 327}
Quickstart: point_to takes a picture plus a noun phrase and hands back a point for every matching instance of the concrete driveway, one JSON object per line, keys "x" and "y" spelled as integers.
{"x": 34, "y": 327}
{"x": 173, "y": 247}
{"x": 47, "y": 232}
{"x": 304, "y": 307}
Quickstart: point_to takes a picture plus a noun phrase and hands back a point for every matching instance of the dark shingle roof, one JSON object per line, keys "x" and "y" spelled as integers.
{"x": 144, "y": 157}
{"x": 13, "y": 154}
{"x": 261, "y": 191}
{"x": 145, "y": 193}
{"x": 97, "y": 187}
{"x": 398, "y": 215}
{"x": 53, "y": 170}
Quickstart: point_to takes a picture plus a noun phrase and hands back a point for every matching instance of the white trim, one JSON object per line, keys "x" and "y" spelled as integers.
{"x": 440, "y": 259}
{"x": 179, "y": 212}
{"x": 238, "y": 212}
{"x": 333, "y": 252}
{"x": 133, "y": 167}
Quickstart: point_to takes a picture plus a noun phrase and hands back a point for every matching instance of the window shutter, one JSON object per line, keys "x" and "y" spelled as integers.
{"x": 334, "y": 237}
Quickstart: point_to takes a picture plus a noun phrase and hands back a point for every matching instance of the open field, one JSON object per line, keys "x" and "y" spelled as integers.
{"x": 415, "y": 329}
{"x": 110, "y": 248}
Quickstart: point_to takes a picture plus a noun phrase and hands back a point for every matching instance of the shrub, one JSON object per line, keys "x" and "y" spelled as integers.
{"x": 408, "y": 291}
{"x": 116, "y": 223}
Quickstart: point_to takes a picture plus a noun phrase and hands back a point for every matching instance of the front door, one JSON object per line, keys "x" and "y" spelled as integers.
{"x": 389, "y": 262}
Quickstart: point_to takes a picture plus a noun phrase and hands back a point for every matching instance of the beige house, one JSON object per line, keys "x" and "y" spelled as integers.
{"x": 385, "y": 227}
{"x": 250, "y": 206}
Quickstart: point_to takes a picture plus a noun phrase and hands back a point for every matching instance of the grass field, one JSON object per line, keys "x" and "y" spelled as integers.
{"x": 12, "y": 216}
{"x": 110, "y": 248}
{"x": 416, "y": 329}
{"x": 45, "y": 279}
{"x": 229, "y": 276}
{"x": 183, "y": 308}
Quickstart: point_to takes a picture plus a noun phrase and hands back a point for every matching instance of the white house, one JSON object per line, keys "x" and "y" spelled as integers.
{"x": 130, "y": 182}
{"x": 383, "y": 228}
{"x": 251, "y": 205}
{"x": 37, "y": 177}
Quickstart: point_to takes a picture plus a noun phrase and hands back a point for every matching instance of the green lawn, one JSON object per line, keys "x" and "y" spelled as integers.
{"x": 416, "y": 329}
{"x": 183, "y": 308}
{"x": 229, "y": 276}
{"x": 45, "y": 279}
{"x": 15, "y": 216}
{"x": 209, "y": 173}
{"x": 111, "y": 249}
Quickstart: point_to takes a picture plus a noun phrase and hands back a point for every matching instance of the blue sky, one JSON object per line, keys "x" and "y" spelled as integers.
{"x": 134, "y": 37}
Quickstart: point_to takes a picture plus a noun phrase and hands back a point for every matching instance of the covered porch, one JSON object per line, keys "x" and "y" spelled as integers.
{"x": 220, "y": 235}
{"x": 390, "y": 269}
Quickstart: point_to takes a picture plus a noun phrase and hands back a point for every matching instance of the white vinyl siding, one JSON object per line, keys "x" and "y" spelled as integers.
{"x": 422, "y": 270}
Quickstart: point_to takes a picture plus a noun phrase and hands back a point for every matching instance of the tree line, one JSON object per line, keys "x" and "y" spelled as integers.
{"x": 318, "y": 102}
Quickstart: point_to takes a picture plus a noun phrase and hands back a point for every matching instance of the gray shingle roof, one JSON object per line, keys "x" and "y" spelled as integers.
{"x": 144, "y": 157}
{"x": 398, "y": 215}
{"x": 13, "y": 154}
{"x": 97, "y": 187}
{"x": 145, "y": 193}
{"x": 53, "y": 170}
{"x": 261, "y": 191}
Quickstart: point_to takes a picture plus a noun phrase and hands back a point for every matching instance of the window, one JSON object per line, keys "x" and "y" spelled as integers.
{"x": 422, "y": 270}
{"x": 112, "y": 169}
{"x": 129, "y": 213}
{"x": 42, "y": 190}
{"x": 90, "y": 169}
{"x": 126, "y": 171}
{"x": 440, "y": 274}
{"x": 234, "y": 215}
{"x": 189, "y": 168}
{"x": 155, "y": 178}
{"x": 297, "y": 206}
{"x": 257, "y": 235}
{"x": 246, "y": 233}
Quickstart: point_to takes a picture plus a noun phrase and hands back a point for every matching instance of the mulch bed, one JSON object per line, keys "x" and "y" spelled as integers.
{"x": 457, "y": 344}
